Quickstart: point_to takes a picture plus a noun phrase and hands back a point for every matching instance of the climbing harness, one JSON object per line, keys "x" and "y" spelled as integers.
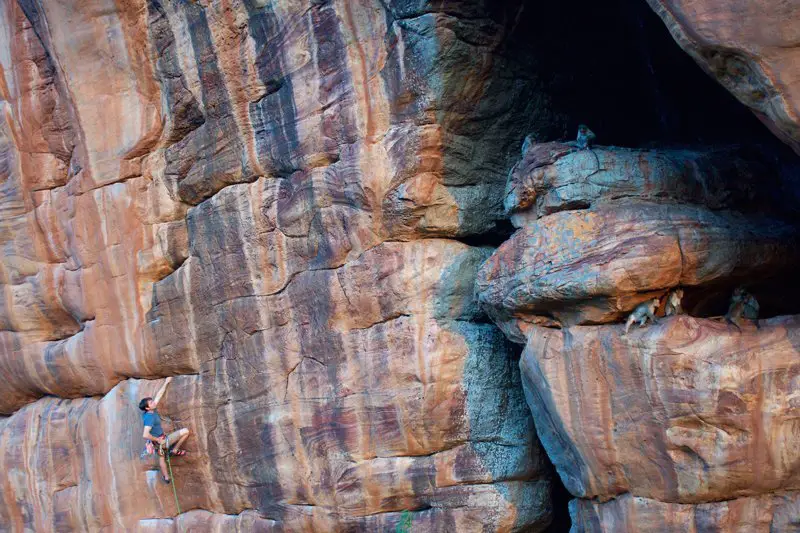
{"x": 171, "y": 478}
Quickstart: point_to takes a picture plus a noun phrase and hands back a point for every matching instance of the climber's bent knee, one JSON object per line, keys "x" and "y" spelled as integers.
{"x": 173, "y": 437}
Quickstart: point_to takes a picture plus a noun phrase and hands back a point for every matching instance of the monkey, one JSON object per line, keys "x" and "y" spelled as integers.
{"x": 642, "y": 312}
{"x": 529, "y": 140}
{"x": 734, "y": 313}
{"x": 673, "y": 306}
{"x": 584, "y": 142}
{"x": 585, "y": 137}
{"x": 751, "y": 307}
{"x": 743, "y": 305}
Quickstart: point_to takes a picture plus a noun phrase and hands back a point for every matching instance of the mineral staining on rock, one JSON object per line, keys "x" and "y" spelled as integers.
{"x": 263, "y": 200}
{"x": 687, "y": 410}
{"x": 686, "y": 422}
{"x": 590, "y": 266}
{"x": 277, "y": 202}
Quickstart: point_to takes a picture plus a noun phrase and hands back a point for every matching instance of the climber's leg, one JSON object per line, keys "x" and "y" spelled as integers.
{"x": 176, "y": 440}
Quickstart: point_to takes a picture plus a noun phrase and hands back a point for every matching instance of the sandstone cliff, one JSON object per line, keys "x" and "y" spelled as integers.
{"x": 294, "y": 207}
{"x": 262, "y": 199}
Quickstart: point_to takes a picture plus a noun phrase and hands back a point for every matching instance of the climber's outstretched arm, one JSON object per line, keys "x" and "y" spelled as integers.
{"x": 161, "y": 392}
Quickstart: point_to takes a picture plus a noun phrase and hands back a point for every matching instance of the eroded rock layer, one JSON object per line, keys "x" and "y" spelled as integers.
{"x": 262, "y": 199}
{"x": 554, "y": 177}
{"x": 593, "y": 265}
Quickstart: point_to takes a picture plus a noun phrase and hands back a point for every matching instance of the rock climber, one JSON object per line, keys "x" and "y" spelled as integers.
{"x": 154, "y": 433}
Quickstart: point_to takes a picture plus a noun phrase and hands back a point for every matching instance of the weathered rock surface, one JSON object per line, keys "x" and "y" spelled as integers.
{"x": 751, "y": 47}
{"x": 592, "y": 266}
{"x": 688, "y": 410}
{"x": 762, "y": 514}
{"x": 301, "y": 474}
{"x": 87, "y": 235}
{"x": 272, "y": 202}
{"x": 554, "y": 177}
{"x": 261, "y": 199}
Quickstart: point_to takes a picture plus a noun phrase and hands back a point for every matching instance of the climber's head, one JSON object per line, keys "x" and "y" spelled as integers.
{"x": 144, "y": 404}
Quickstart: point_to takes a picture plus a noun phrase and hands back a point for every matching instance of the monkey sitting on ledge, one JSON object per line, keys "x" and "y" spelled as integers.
{"x": 743, "y": 305}
{"x": 585, "y": 137}
{"x": 584, "y": 141}
{"x": 673, "y": 306}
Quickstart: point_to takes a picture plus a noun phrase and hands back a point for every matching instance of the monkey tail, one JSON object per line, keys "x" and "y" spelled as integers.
{"x": 597, "y": 161}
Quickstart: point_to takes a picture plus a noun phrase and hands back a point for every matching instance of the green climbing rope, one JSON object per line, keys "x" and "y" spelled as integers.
{"x": 172, "y": 479}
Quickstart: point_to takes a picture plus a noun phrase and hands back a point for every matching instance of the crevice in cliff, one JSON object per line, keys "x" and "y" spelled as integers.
{"x": 386, "y": 320}
{"x": 294, "y": 368}
{"x": 492, "y": 239}
{"x": 417, "y": 509}
{"x": 777, "y": 295}
{"x": 560, "y": 498}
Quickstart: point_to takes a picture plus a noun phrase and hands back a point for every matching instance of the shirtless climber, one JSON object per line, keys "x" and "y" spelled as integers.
{"x": 154, "y": 433}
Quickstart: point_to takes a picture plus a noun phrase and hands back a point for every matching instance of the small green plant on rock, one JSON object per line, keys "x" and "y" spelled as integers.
{"x": 404, "y": 525}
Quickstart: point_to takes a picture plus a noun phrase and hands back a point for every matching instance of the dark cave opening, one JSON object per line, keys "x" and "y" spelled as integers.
{"x": 500, "y": 234}
{"x": 776, "y": 295}
{"x": 614, "y": 66}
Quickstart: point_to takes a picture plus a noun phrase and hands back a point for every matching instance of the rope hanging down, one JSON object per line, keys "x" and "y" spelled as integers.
{"x": 171, "y": 477}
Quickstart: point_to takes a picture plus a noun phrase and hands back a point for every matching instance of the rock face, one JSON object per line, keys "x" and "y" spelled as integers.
{"x": 553, "y": 177}
{"x": 595, "y": 242}
{"x": 287, "y": 205}
{"x": 682, "y": 425}
{"x": 761, "y": 514}
{"x": 689, "y": 410}
{"x": 263, "y": 200}
{"x": 750, "y": 46}
{"x": 590, "y": 266}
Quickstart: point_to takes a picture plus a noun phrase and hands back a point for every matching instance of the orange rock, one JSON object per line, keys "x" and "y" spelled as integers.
{"x": 688, "y": 410}
{"x": 593, "y": 266}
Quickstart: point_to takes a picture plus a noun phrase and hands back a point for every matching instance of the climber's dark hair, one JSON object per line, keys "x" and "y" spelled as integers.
{"x": 143, "y": 403}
